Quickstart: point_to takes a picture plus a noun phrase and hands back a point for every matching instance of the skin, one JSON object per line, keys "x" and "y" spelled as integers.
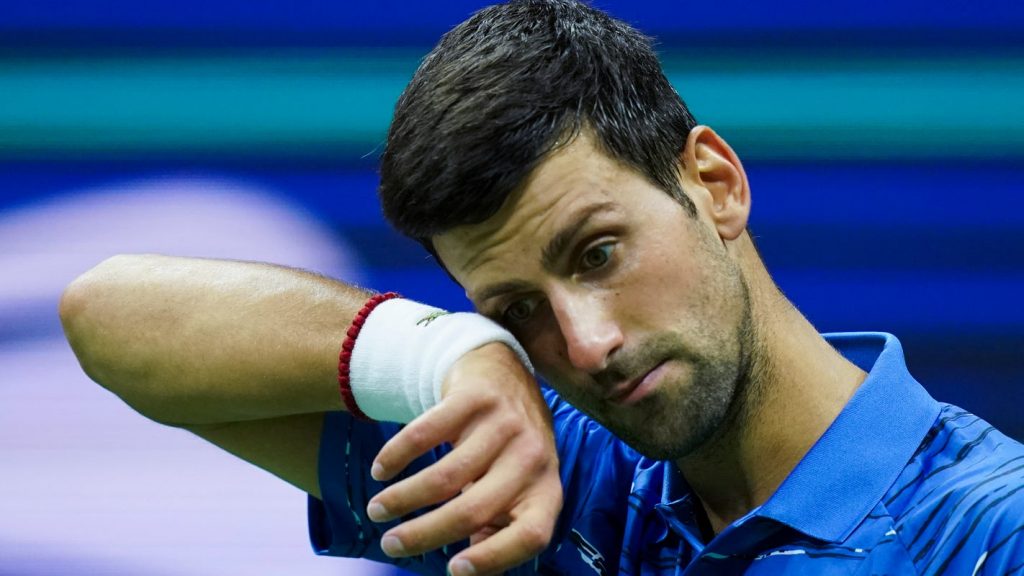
{"x": 738, "y": 384}
{"x": 746, "y": 384}
{"x": 245, "y": 355}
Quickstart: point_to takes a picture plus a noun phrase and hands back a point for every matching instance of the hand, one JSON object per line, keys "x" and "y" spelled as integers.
{"x": 500, "y": 483}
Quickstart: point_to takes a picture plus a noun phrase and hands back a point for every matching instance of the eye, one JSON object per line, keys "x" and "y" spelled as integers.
{"x": 519, "y": 311}
{"x": 596, "y": 256}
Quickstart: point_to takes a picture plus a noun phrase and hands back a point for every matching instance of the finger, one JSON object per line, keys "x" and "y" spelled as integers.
{"x": 518, "y": 543}
{"x": 487, "y": 531}
{"x": 489, "y": 498}
{"x": 489, "y": 501}
{"x": 455, "y": 472}
{"x": 441, "y": 423}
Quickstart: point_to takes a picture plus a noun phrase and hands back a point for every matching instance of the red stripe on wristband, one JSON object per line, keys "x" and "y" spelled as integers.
{"x": 345, "y": 356}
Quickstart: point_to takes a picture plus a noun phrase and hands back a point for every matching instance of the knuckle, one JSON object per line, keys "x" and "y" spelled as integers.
{"x": 506, "y": 425}
{"x": 480, "y": 403}
{"x": 445, "y": 480}
{"x": 418, "y": 436}
{"x": 492, "y": 398}
{"x": 508, "y": 421}
{"x": 472, "y": 515}
{"x": 534, "y": 453}
{"x": 534, "y": 537}
{"x": 495, "y": 397}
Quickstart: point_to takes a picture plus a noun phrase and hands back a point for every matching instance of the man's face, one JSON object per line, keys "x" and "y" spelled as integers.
{"x": 629, "y": 307}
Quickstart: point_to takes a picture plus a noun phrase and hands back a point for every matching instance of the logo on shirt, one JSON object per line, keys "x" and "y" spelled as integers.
{"x": 589, "y": 553}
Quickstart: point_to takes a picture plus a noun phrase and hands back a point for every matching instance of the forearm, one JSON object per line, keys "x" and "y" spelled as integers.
{"x": 190, "y": 341}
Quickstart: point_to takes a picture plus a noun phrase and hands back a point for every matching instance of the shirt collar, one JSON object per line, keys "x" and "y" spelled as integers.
{"x": 850, "y": 468}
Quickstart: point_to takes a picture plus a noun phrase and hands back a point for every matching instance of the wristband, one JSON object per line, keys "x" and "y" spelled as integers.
{"x": 402, "y": 352}
{"x": 345, "y": 357}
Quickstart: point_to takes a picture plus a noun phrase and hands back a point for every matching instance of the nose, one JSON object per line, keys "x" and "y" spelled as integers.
{"x": 589, "y": 329}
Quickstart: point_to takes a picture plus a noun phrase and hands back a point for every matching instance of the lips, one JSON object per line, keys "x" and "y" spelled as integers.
{"x": 624, "y": 392}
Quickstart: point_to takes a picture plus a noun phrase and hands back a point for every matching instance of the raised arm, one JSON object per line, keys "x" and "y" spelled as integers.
{"x": 198, "y": 342}
{"x": 245, "y": 355}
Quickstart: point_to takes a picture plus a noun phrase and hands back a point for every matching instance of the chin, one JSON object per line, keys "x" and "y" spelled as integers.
{"x": 663, "y": 434}
{"x": 672, "y": 443}
{"x": 662, "y": 450}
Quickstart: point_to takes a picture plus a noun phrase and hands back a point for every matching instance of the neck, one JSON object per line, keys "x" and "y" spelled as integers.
{"x": 795, "y": 387}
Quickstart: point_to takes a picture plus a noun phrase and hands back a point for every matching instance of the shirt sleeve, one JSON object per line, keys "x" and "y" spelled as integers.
{"x": 591, "y": 475}
{"x": 338, "y": 524}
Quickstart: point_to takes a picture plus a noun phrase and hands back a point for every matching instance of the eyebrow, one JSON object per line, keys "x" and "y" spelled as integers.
{"x": 560, "y": 241}
{"x": 501, "y": 288}
{"x": 551, "y": 252}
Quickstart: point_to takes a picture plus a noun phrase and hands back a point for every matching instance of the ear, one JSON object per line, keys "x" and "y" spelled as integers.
{"x": 712, "y": 169}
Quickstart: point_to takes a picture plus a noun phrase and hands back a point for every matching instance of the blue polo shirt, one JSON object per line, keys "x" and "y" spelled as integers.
{"x": 898, "y": 484}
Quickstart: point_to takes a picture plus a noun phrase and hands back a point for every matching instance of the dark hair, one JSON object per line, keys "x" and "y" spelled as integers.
{"x": 508, "y": 86}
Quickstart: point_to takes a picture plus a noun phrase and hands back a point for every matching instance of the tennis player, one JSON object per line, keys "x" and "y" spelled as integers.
{"x": 696, "y": 423}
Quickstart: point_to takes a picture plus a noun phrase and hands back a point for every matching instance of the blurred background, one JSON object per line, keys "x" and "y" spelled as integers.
{"x": 884, "y": 142}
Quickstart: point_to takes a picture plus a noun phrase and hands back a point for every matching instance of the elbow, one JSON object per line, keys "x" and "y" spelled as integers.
{"x": 85, "y": 308}
{"x": 76, "y": 318}
{"x": 93, "y": 286}
{"x": 80, "y": 297}
{"x": 96, "y": 314}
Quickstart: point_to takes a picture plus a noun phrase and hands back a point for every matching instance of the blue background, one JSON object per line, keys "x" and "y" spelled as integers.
{"x": 883, "y": 139}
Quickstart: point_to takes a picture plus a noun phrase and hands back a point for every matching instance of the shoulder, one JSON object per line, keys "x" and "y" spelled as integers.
{"x": 959, "y": 505}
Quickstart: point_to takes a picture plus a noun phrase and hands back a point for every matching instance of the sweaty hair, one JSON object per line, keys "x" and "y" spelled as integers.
{"x": 510, "y": 85}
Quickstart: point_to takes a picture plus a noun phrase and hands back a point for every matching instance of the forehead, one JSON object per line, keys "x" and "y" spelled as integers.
{"x": 569, "y": 183}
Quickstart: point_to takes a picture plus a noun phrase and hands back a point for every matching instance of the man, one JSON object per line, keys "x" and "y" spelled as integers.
{"x": 542, "y": 156}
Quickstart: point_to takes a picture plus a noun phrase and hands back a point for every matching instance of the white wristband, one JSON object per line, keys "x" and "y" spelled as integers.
{"x": 404, "y": 351}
